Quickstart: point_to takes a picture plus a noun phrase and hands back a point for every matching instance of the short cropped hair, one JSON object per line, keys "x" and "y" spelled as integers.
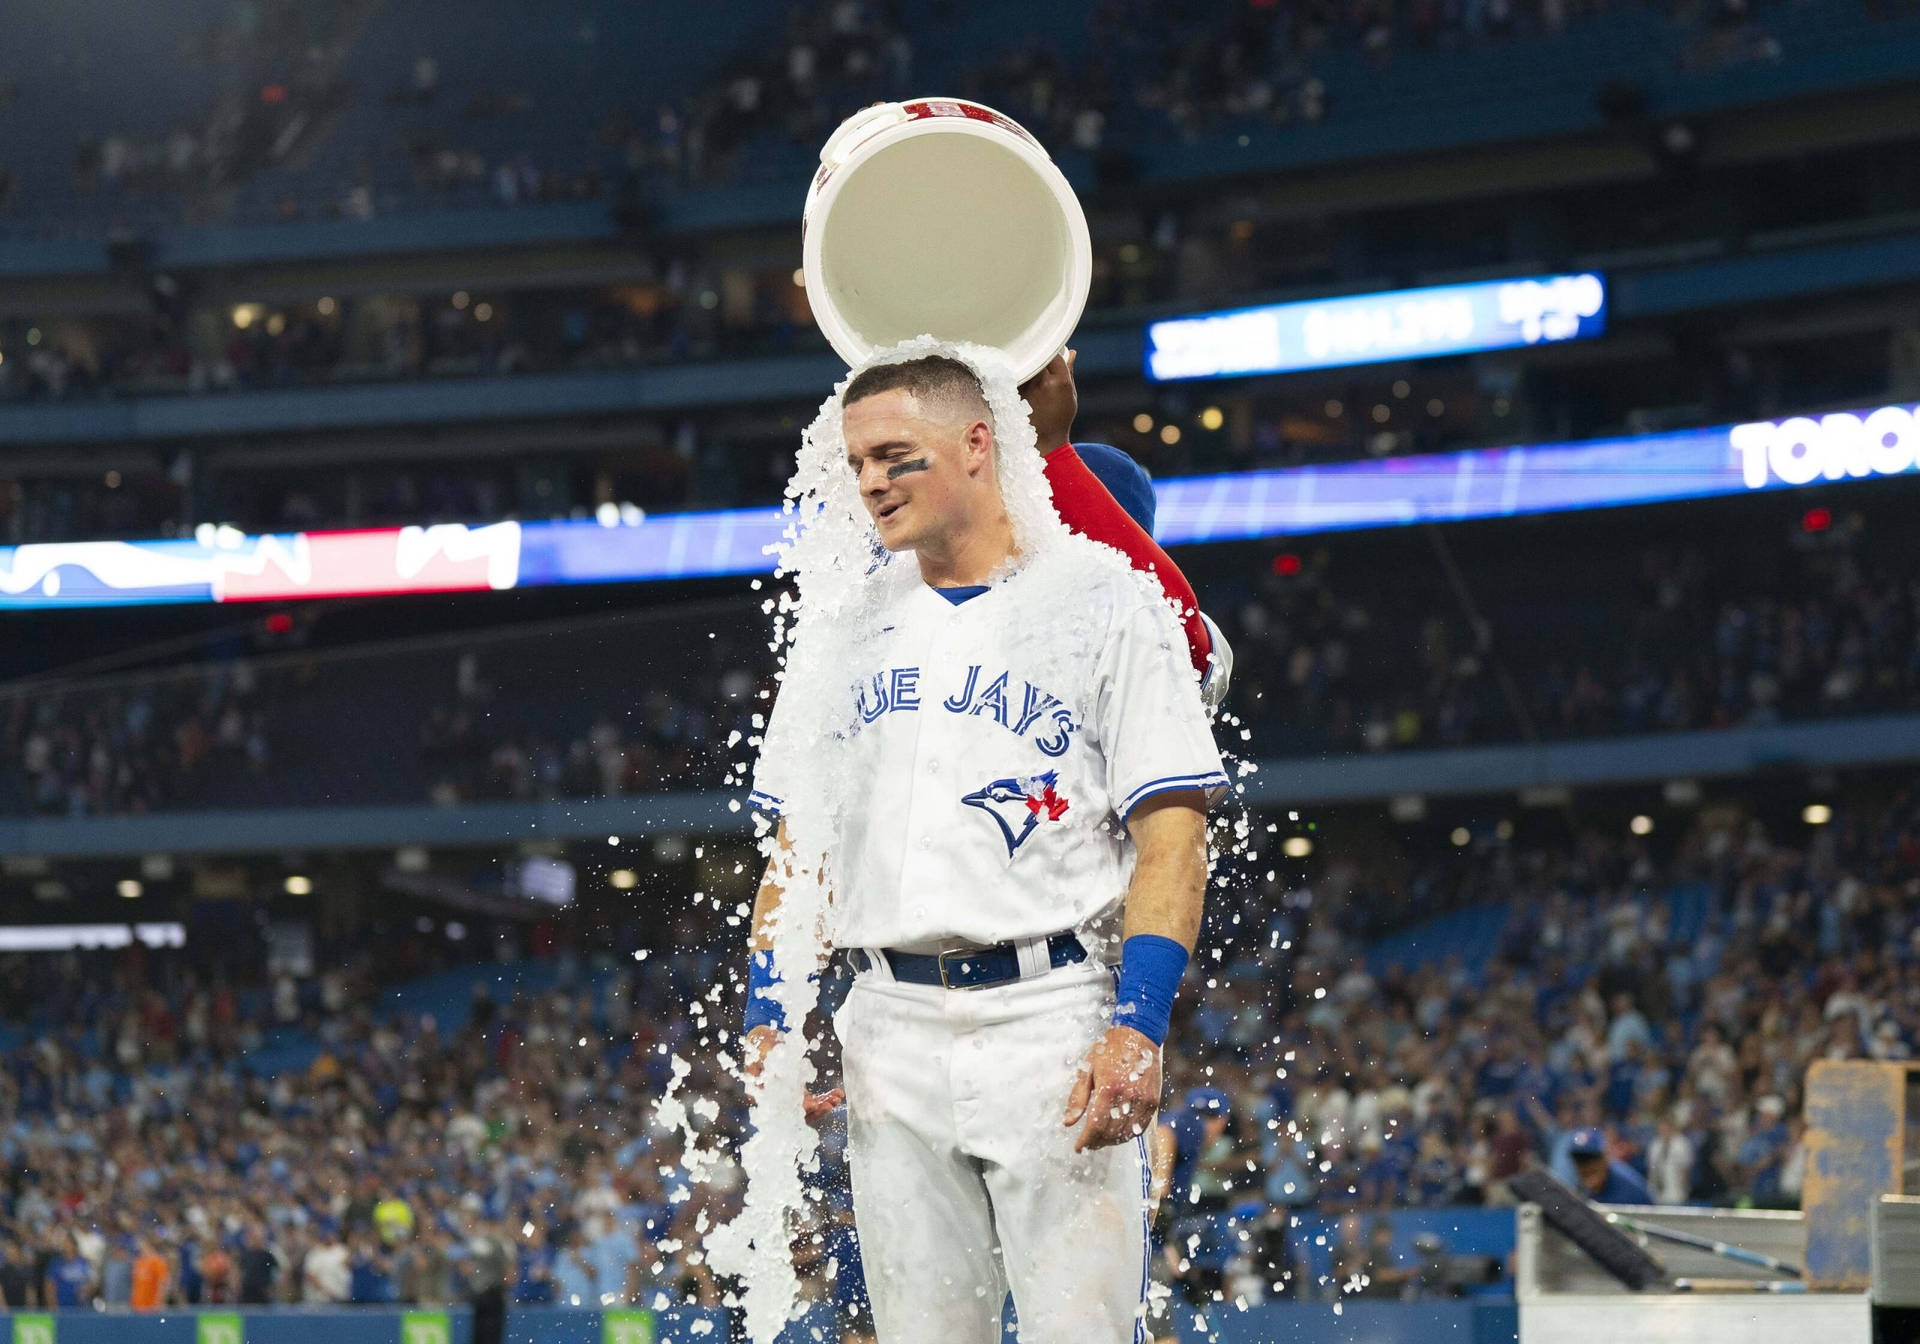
{"x": 934, "y": 380}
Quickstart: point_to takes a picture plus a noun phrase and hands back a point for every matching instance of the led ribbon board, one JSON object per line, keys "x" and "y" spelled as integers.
{"x": 1368, "y": 328}
{"x": 226, "y": 565}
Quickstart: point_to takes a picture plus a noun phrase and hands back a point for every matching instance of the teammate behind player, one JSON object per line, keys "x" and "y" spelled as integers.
{"x": 1103, "y": 494}
{"x": 999, "y": 1073}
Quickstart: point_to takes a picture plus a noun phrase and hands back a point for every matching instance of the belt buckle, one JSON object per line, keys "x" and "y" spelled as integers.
{"x": 941, "y": 960}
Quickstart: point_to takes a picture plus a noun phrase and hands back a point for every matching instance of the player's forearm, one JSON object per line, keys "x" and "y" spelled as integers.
{"x": 767, "y": 900}
{"x": 1162, "y": 917}
{"x": 763, "y": 972}
{"x": 1168, "y": 892}
{"x": 773, "y": 886}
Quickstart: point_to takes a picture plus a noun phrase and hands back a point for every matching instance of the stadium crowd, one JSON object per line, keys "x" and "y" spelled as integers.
{"x": 1686, "y": 643}
{"x": 1135, "y": 70}
{"x": 198, "y": 739}
{"x": 1653, "y": 1009}
{"x": 1658, "y": 1006}
{"x": 1152, "y": 70}
{"x": 362, "y": 1176}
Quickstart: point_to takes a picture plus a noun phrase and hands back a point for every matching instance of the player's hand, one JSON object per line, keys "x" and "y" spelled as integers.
{"x": 1117, "y": 1092}
{"x": 816, "y": 1105}
{"x": 1053, "y": 402}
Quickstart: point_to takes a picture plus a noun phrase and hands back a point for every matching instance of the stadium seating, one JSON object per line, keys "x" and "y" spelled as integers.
{"x": 561, "y": 94}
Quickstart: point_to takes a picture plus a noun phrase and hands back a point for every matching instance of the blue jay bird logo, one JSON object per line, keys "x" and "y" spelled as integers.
{"x": 1018, "y": 804}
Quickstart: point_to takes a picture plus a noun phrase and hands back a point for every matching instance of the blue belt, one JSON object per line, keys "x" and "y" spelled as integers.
{"x": 967, "y": 967}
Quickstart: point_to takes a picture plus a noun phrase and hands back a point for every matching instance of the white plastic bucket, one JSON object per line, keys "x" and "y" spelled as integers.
{"x": 945, "y": 218}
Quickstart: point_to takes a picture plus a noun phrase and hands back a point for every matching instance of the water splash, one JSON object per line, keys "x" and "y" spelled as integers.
{"x": 843, "y": 581}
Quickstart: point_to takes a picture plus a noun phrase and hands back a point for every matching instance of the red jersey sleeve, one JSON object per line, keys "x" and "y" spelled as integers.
{"x": 1087, "y": 508}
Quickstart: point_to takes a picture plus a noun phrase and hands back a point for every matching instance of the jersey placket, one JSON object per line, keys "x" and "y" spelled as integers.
{"x": 929, "y": 761}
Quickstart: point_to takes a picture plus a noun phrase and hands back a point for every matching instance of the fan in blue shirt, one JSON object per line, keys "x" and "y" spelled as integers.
{"x": 69, "y": 1278}
{"x": 1179, "y": 1141}
{"x": 1602, "y": 1179}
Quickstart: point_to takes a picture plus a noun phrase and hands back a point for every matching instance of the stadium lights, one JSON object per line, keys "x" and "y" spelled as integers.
{"x": 1681, "y": 792}
{"x": 1143, "y": 423}
{"x": 1297, "y": 847}
{"x": 1369, "y": 328}
{"x": 1817, "y": 814}
{"x": 623, "y": 879}
{"x": 1642, "y": 824}
{"x": 1169, "y": 434}
{"x": 298, "y": 884}
{"x": 1801, "y": 450}
{"x": 223, "y": 564}
{"x": 130, "y": 888}
{"x": 1212, "y": 418}
{"x": 1461, "y": 836}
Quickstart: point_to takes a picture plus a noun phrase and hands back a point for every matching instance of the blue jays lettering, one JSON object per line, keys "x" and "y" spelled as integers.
{"x": 1020, "y": 707}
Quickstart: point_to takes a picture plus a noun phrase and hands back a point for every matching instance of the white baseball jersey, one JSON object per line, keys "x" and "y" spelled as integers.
{"x": 994, "y": 745}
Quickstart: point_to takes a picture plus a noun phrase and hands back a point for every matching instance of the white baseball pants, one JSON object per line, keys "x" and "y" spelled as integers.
{"x": 965, "y": 1182}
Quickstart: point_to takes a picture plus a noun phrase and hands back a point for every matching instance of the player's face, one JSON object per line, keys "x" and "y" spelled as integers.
{"x": 912, "y": 468}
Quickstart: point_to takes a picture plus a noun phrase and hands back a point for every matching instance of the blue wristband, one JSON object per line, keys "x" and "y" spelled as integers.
{"x": 1150, "y": 971}
{"x": 763, "y": 1010}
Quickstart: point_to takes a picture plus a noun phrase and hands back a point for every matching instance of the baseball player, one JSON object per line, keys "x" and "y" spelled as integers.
{"x": 1019, "y": 896}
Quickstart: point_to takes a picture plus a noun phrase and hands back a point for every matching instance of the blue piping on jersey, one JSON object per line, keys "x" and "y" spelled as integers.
{"x": 764, "y": 802}
{"x": 1206, "y": 782}
{"x": 1146, "y": 1235}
